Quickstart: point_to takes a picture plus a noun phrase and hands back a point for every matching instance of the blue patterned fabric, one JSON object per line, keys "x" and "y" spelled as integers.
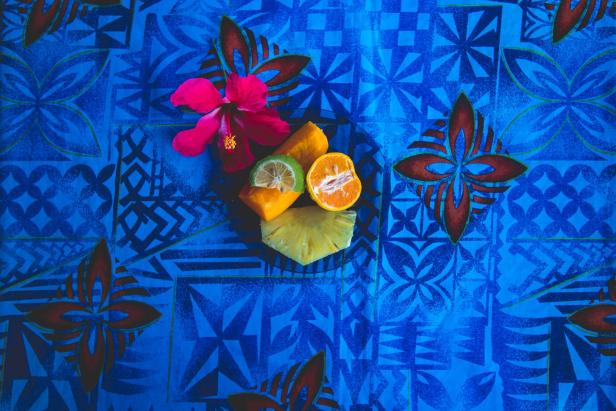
{"x": 132, "y": 278}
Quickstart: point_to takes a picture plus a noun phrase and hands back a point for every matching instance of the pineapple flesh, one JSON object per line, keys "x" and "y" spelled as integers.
{"x": 308, "y": 234}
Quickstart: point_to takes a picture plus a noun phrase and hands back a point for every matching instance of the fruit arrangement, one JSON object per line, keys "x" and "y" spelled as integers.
{"x": 305, "y": 146}
{"x": 304, "y": 234}
{"x": 277, "y": 181}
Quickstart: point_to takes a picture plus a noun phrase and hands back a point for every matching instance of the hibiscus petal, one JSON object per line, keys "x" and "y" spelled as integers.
{"x": 238, "y": 158}
{"x": 263, "y": 127}
{"x": 192, "y": 142}
{"x": 198, "y": 94}
{"x": 248, "y": 93}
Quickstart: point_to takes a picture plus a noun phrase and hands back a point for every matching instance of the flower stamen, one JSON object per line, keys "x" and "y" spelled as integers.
{"x": 229, "y": 142}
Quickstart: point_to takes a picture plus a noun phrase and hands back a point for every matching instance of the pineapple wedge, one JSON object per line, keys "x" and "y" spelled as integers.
{"x": 307, "y": 234}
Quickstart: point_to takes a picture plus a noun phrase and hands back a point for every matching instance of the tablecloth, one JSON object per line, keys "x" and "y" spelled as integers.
{"x": 481, "y": 270}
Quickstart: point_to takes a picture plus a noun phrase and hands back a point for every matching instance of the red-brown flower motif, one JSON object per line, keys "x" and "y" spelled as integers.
{"x": 284, "y": 394}
{"x": 92, "y": 310}
{"x": 47, "y": 18}
{"x": 462, "y": 172}
{"x": 243, "y": 52}
{"x": 568, "y": 16}
{"x": 600, "y": 319}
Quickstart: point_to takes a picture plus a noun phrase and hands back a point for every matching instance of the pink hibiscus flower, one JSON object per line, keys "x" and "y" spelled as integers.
{"x": 238, "y": 117}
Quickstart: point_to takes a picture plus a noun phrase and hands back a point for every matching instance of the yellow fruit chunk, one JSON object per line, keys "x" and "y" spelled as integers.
{"x": 307, "y": 234}
{"x": 332, "y": 182}
{"x": 305, "y": 145}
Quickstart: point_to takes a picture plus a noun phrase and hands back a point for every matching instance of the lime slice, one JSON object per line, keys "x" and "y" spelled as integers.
{"x": 278, "y": 171}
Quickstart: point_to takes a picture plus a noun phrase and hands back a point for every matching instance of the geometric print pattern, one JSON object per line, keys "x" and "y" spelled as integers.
{"x": 513, "y": 314}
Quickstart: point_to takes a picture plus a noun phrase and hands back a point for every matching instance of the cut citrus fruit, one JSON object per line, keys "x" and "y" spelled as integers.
{"x": 307, "y": 234}
{"x": 278, "y": 171}
{"x": 332, "y": 182}
{"x": 305, "y": 145}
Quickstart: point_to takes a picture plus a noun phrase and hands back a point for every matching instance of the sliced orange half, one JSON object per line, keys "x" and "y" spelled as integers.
{"x": 332, "y": 182}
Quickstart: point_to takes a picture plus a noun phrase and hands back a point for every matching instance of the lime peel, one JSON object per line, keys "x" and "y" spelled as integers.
{"x": 278, "y": 171}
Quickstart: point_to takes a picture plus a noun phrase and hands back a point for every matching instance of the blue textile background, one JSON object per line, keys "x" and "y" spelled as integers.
{"x": 515, "y": 315}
